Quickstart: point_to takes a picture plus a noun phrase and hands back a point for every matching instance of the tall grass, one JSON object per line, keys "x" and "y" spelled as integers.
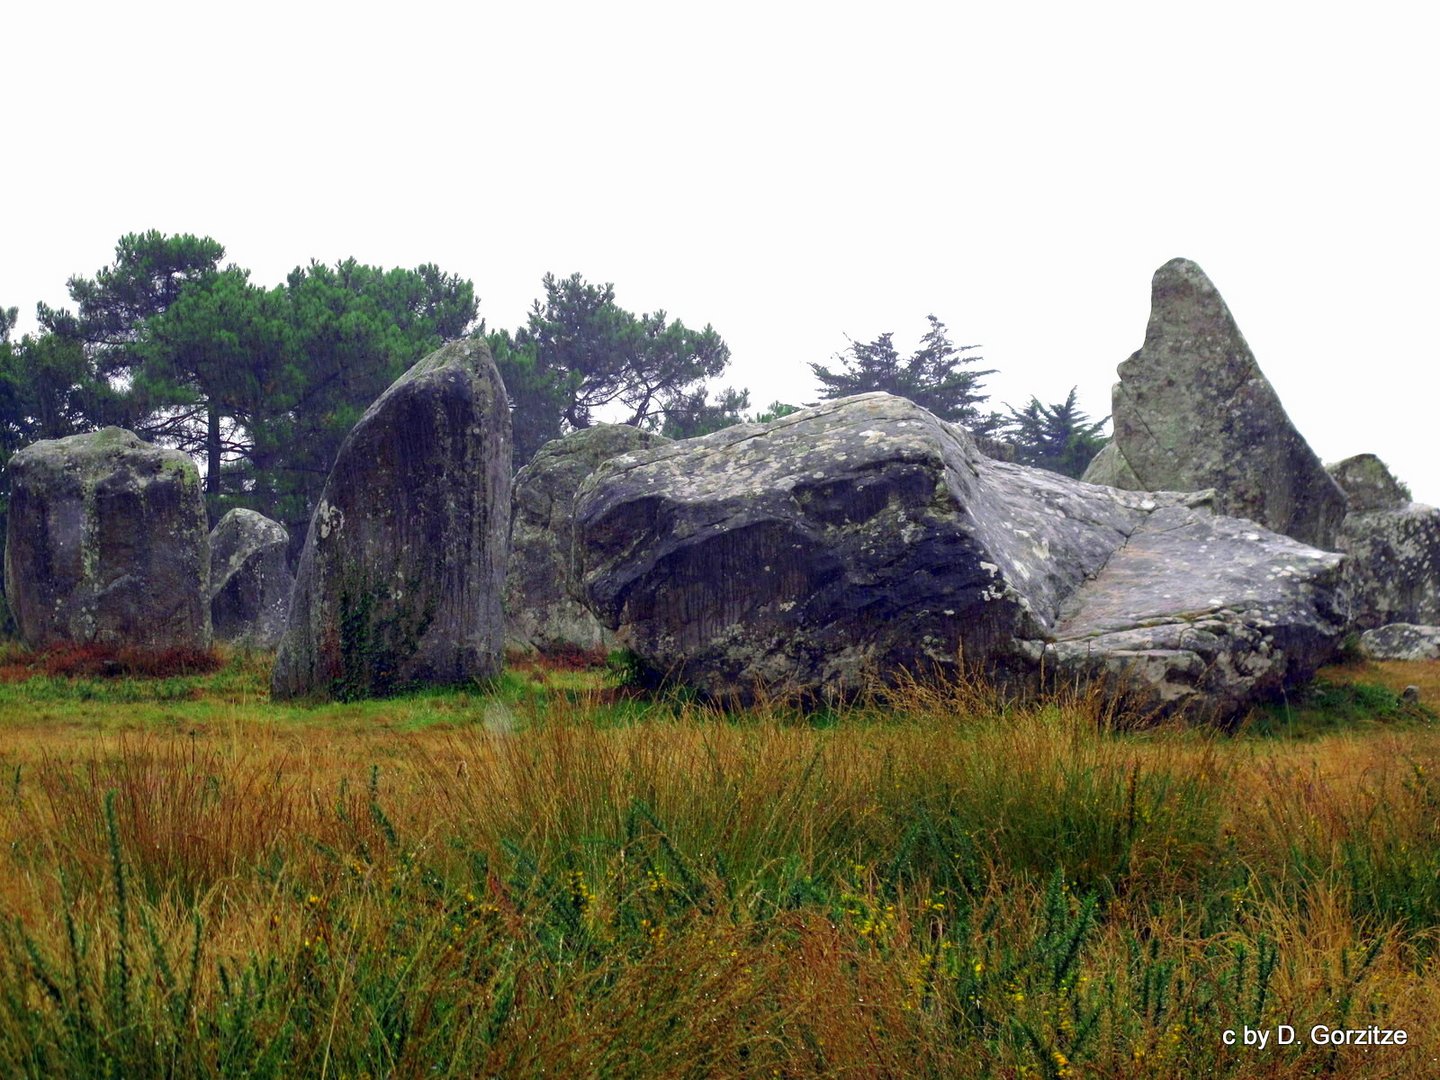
{"x": 948, "y": 885}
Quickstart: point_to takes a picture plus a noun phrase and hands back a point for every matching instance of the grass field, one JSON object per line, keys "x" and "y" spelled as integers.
{"x": 548, "y": 876}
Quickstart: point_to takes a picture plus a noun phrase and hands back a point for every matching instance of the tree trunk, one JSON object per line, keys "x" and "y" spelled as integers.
{"x": 212, "y": 450}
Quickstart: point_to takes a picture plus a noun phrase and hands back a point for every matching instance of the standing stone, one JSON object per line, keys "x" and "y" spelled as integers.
{"x": 401, "y": 576}
{"x": 249, "y": 580}
{"x": 542, "y": 605}
{"x": 1193, "y": 410}
{"x": 107, "y": 544}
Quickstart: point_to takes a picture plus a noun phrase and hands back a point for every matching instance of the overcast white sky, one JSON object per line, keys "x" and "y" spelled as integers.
{"x": 789, "y": 173}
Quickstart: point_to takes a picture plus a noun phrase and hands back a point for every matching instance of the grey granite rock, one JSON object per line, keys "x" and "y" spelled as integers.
{"x": 542, "y": 608}
{"x": 864, "y": 537}
{"x": 401, "y": 576}
{"x": 1392, "y": 574}
{"x": 107, "y": 543}
{"x": 1208, "y": 612}
{"x": 1401, "y": 641}
{"x": 249, "y": 580}
{"x": 1193, "y": 410}
{"x": 1368, "y": 484}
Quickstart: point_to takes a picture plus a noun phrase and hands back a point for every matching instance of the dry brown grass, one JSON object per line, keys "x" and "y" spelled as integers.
{"x": 700, "y": 894}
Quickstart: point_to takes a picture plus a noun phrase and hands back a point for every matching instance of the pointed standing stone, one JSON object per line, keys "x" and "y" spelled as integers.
{"x": 1193, "y": 410}
{"x": 401, "y": 576}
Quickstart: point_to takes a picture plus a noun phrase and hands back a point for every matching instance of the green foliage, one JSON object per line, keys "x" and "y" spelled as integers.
{"x": 580, "y": 353}
{"x": 150, "y": 272}
{"x": 935, "y": 376}
{"x": 694, "y": 414}
{"x": 774, "y": 411}
{"x": 1059, "y": 437}
{"x": 1324, "y": 705}
{"x": 350, "y": 331}
{"x": 263, "y": 384}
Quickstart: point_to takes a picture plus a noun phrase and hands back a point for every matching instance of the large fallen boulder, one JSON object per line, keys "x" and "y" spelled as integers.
{"x": 401, "y": 575}
{"x": 1193, "y": 410}
{"x": 848, "y": 542}
{"x": 249, "y": 580}
{"x": 107, "y": 543}
{"x": 542, "y": 608}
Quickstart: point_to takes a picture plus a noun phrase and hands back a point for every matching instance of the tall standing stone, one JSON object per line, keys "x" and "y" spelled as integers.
{"x": 401, "y": 576}
{"x": 1193, "y": 410}
{"x": 107, "y": 543}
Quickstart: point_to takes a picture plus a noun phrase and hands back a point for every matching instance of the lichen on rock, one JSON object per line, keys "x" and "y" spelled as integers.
{"x": 399, "y": 582}
{"x": 107, "y": 543}
{"x": 865, "y": 537}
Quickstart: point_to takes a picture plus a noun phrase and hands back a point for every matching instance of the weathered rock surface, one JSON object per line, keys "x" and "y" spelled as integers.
{"x": 1204, "y": 610}
{"x": 542, "y": 607}
{"x": 1193, "y": 410}
{"x": 249, "y": 580}
{"x": 866, "y": 536}
{"x": 402, "y": 572}
{"x": 1368, "y": 484}
{"x": 108, "y": 544}
{"x": 1392, "y": 574}
{"x": 1401, "y": 641}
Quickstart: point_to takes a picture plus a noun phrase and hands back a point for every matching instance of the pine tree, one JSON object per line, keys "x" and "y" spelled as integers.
{"x": 1058, "y": 437}
{"x": 934, "y": 376}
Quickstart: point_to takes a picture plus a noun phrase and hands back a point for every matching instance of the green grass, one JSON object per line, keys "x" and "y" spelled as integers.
{"x": 1333, "y": 703}
{"x": 196, "y": 882}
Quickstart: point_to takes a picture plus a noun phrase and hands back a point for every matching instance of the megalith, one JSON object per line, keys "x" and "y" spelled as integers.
{"x": 400, "y": 579}
{"x": 1193, "y": 410}
{"x": 250, "y": 581}
{"x": 846, "y": 543}
{"x": 107, "y": 543}
{"x": 543, "y": 609}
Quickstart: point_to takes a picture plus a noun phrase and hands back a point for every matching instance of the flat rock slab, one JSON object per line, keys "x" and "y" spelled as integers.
{"x": 851, "y": 541}
{"x": 400, "y": 579}
{"x": 1208, "y": 612}
{"x": 107, "y": 543}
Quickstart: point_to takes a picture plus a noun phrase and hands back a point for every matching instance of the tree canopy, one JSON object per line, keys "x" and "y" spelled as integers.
{"x": 261, "y": 384}
{"x": 1059, "y": 437}
{"x": 935, "y": 376}
{"x": 580, "y": 355}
